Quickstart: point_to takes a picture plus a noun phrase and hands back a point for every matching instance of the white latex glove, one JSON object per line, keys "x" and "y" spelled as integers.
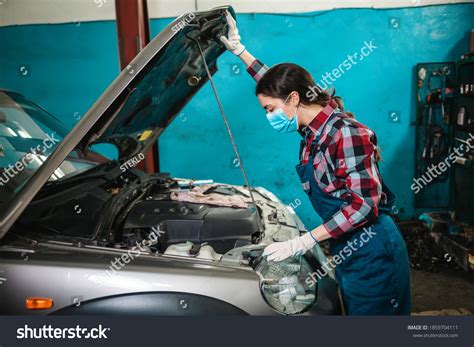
{"x": 279, "y": 251}
{"x": 232, "y": 41}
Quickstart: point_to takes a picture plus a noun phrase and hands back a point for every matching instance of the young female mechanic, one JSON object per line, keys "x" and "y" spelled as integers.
{"x": 338, "y": 170}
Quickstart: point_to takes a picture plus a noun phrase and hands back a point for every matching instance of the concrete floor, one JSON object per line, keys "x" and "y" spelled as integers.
{"x": 447, "y": 289}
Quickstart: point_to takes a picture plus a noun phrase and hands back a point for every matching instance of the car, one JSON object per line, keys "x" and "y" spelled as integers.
{"x": 85, "y": 231}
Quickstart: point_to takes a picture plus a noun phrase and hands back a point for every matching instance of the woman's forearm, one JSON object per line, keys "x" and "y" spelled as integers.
{"x": 247, "y": 58}
{"x": 320, "y": 233}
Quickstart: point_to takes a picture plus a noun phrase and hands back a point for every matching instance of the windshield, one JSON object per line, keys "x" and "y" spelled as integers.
{"x": 28, "y": 135}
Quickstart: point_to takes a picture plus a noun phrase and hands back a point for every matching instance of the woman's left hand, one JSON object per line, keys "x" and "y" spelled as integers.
{"x": 232, "y": 41}
{"x": 279, "y": 251}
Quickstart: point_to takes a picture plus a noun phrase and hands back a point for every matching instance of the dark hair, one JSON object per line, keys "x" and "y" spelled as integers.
{"x": 282, "y": 79}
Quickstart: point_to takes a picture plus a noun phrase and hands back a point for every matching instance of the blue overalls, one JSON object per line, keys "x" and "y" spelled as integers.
{"x": 374, "y": 276}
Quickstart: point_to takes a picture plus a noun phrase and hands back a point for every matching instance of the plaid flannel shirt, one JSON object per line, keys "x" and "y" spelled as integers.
{"x": 344, "y": 167}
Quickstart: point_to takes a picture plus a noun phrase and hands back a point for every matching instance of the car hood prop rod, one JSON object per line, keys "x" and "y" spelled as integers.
{"x": 231, "y": 136}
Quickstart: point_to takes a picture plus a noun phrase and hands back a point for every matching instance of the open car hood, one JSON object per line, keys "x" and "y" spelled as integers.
{"x": 143, "y": 100}
{"x": 162, "y": 78}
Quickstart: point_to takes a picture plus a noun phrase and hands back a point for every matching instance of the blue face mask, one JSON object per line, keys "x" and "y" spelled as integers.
{"x": 280, "y": 122}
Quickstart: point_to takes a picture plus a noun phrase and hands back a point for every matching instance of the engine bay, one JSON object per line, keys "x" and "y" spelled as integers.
{"x": 138, "y": 210}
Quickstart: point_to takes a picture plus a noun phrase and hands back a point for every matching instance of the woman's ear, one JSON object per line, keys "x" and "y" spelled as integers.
{"x": 294, "y": 98}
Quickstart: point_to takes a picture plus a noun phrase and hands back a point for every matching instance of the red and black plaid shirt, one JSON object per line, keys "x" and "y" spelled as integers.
{"x": 344, "y": 167}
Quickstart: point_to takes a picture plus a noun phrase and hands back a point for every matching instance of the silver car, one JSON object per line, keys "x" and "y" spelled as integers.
{"x": 84, "y": 231}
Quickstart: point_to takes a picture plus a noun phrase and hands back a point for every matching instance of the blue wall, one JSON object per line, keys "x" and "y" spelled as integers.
{"x": 69, "y": 66}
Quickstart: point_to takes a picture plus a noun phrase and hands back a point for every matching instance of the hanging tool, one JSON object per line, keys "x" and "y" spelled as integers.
{"x": 436, "y": 140}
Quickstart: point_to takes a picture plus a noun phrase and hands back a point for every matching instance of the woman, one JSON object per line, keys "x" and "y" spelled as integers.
{"x": 338, "y": 170}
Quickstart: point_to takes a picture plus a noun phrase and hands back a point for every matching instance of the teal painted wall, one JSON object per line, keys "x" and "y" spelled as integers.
{"x": 69, "y": 65}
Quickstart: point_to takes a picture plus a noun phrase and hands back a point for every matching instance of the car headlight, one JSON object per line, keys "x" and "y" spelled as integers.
{"x": 283, "y": 284}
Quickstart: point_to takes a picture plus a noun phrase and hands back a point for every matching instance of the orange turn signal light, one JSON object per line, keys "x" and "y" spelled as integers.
{"x": 39, "y": 303}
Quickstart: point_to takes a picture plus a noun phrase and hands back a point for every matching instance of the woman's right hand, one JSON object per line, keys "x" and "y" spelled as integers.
{"x": 232, "y": 41}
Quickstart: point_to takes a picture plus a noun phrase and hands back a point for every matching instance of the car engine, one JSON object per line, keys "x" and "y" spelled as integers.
{"x": 223, "y": 228}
